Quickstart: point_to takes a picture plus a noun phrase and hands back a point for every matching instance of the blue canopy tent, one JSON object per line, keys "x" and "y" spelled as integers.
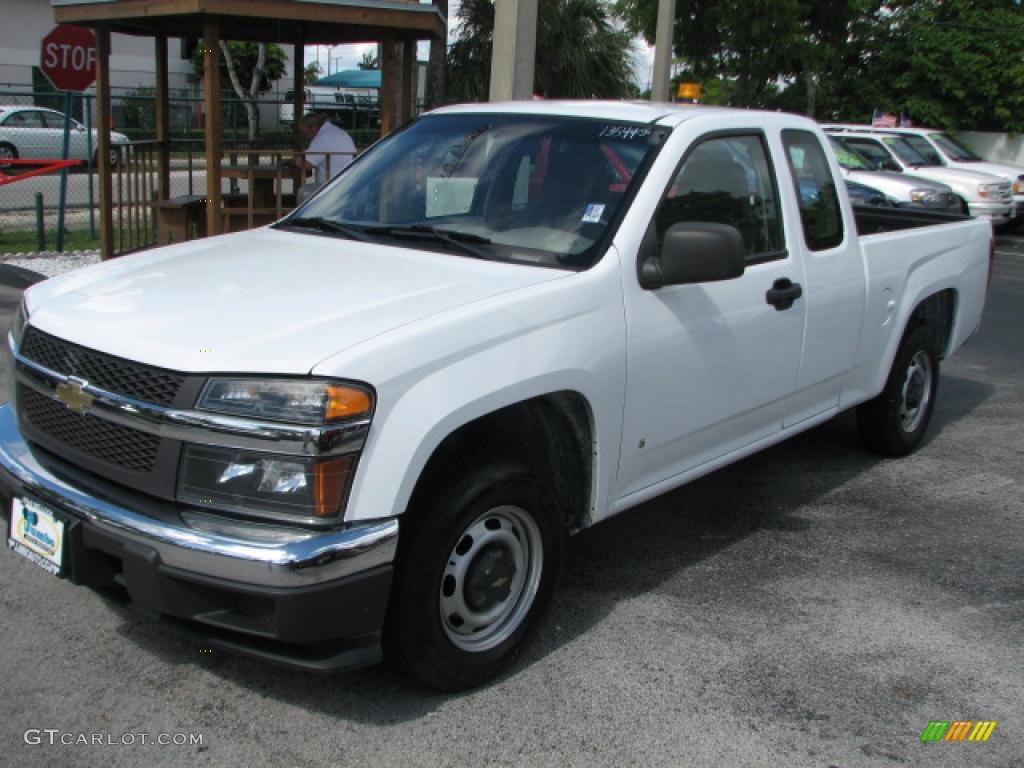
{"x": 351, "y": 78}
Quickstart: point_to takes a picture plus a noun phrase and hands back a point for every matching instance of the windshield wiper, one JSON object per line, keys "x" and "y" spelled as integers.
{"x": 328, "y": 225}
{"x": 460, "y": 240}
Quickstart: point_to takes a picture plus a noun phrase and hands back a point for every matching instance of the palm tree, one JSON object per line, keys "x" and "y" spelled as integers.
{"x": 580, "y": 54}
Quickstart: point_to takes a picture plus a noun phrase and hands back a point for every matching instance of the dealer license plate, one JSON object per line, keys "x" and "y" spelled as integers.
{"x": 37, "y": 534}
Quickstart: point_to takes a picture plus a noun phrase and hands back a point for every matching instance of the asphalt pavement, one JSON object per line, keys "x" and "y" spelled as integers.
{"x": 813, "y": 605}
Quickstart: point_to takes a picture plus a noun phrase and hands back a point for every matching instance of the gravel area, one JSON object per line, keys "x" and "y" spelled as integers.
{"x": 51, "y": 263}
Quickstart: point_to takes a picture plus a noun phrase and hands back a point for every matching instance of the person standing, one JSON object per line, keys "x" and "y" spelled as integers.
{"x": 330, "y": 151}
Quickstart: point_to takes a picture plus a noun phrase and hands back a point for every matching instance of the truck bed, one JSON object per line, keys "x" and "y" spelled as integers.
{"x": 872, "y": 220}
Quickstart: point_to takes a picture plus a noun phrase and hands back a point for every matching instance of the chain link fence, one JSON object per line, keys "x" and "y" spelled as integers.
{"x": 30, "y": 203}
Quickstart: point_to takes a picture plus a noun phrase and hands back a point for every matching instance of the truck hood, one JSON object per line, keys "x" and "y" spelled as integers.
{"x": 263, "y": 301}
{"x": 1009, "y": 172}
{"x": 963, "y": 182}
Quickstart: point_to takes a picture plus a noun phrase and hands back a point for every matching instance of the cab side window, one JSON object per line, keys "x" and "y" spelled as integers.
{"x": 820, "y": 213}
{"x": 26, "y": 119}
{"x": 727, "y": 180}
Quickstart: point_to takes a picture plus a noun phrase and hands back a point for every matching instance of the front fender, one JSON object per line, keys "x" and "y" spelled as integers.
{"x": 440, "y": 374}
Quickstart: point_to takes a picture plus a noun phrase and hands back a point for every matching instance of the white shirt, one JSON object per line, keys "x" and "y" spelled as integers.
{"x": 331, "y": 149}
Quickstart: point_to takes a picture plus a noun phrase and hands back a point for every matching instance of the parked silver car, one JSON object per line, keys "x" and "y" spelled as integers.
{"x": 38, "y": 133}
{"x": 901, "y": 189}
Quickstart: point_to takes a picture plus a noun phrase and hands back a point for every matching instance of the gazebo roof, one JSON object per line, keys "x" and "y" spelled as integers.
{"x": 312, "y": 21}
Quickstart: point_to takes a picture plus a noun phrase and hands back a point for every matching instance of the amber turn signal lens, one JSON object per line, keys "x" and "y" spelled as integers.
{"x": 346, "y": 402}
{"x": 331, "y": 480}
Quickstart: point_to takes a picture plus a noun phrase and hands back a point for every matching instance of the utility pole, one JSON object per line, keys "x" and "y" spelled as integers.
{"x": 515, "y": 48}
{"x": 663, "y": 50}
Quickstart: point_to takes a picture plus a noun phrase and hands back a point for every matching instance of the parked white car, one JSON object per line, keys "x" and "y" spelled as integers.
{"x": 37, "y": 133}
{"x": 938, "y": 145}
{"x": 903, "y": 190}
{"x": 369, "y": 427}
{"x": 981, "y": 194}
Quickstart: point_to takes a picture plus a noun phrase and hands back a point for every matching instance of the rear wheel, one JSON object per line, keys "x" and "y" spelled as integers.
{"x": 7, "y": 152}
{"x": 114, "y": 158}
{"x": 478, "y": 563}
{"x": 894, "y": 423}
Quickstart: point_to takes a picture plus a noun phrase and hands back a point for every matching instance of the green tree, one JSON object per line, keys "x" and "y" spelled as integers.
{"x": 580, "y": 52}
{"x": 249, "y": 69}
{"x": 749, "y": 43}
{"x": 369, "y": 60}
{"x": 954, "y": 64}
{"x": 312, "y": 72}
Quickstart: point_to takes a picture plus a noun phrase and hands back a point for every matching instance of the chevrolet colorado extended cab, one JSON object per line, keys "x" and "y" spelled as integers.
{"x": 364, "y": 432}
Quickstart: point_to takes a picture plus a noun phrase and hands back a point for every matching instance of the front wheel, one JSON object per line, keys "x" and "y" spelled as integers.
{"x": 478, "y": 563}
{"x": 7, "y": 152}
{"x": 113, "y": 158}
{"x": 894, "y": 423}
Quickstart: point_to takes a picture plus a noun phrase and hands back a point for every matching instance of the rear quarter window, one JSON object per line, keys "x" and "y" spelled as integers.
{"x": 815, "y": 188}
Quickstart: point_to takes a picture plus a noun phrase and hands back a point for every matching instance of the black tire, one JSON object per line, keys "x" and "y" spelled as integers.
{"x": 7, "y": 152}
{"x": 965, "y": 209}
{"x": 894, "y": 423}
{"x": 441, "y": 564}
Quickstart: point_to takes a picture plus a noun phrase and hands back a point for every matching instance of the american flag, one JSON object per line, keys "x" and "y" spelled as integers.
{"x": 882, "y": 119}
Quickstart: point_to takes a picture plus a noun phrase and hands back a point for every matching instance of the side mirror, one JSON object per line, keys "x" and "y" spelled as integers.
{"x": 892, "y": 165}
{"x": 695, "y": 252}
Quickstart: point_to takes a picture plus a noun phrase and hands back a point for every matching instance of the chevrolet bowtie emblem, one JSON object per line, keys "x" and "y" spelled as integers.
{"x": 72, "y": 393}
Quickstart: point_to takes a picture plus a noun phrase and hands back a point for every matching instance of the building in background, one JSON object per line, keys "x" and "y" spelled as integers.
{"x": 132, "y": 66}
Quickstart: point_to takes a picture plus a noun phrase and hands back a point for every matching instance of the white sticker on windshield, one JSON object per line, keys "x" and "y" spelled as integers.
{"x": 592, "y": 213}
{"x": 448, "y": 196}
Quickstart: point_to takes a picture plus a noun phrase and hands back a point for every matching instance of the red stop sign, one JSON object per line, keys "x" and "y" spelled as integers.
{"x": 68, "y": 57}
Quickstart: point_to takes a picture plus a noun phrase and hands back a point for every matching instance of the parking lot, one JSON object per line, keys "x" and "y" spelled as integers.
{"x": 814, "y": 605}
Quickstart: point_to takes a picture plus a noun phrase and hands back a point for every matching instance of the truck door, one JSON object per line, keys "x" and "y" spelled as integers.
{"x": 711, "y": 365}
{"x": 834, "y": 273}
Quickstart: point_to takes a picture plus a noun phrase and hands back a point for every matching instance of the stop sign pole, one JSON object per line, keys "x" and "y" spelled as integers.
{"x": 68, "y": 59}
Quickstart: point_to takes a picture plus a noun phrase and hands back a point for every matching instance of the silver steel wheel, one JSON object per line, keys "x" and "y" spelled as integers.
{"x": 916, "y": 392}
{"x": 491, "y": 578}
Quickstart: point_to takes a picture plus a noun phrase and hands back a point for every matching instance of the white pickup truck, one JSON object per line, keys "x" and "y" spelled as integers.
{"x": 366, "y": 430}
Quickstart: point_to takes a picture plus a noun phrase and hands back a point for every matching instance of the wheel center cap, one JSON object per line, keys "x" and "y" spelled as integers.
{"x": 915, "y": 389}
{"x": 489, "y": 578}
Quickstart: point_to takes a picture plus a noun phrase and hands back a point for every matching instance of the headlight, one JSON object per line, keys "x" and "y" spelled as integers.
{"x": 1018, "y": 186}
{"x": 297, "y": 401}
{"x": 265, "y": 484}
{"x": 20, "y": 323}
{"x": 924, "y": 195}
{"x": 985, "y": 190}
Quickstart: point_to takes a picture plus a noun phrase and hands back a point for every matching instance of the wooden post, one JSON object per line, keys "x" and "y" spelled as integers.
{"x": 103, "y": 142}
{"x": 388, "y": 85}
{"x": 163, "y": 111}
{"x": 211, "y": 88}
{"x": 298, "y": 94}
{"x": 407, "y": 109}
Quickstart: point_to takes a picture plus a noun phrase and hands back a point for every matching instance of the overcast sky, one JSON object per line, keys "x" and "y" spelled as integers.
{"x": 348, "y": 56}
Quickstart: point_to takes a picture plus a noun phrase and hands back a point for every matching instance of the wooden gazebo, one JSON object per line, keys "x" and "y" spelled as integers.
{"x": 396, "y": 24}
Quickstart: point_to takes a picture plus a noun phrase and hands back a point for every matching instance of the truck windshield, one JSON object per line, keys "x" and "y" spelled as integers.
{"x": 913, "y": 150}
{"x": 909, "y": 153}
{"x": 953, "y": 149}
{"x": 878, "y": 157}
{"x": 522, "y": 188}
{"x": 849, "y": 157}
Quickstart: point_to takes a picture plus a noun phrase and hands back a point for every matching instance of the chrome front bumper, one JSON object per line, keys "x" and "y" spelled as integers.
{"x": 255, "y": 554}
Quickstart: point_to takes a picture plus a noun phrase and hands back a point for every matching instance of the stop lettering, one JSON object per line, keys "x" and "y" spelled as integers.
{"x": 68, "y": 57}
